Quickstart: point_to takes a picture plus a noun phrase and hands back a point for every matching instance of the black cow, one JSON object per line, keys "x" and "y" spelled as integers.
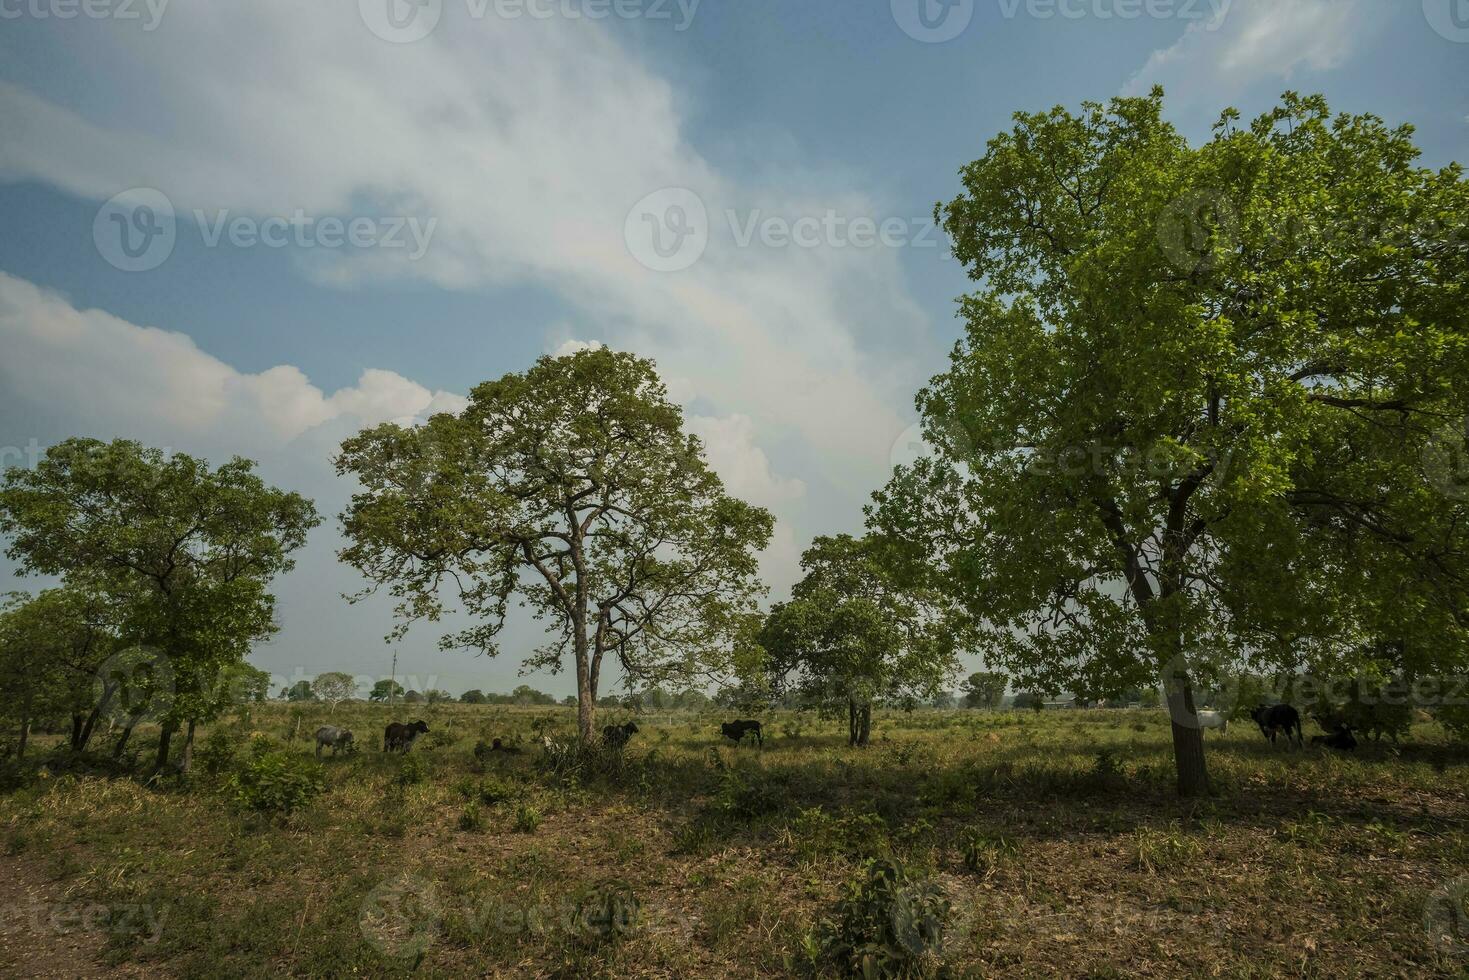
{"x": 737, "y": 730}
{"x": 1342, "y": 739}
{"x": 616, "y": 736}
{"x": 399, "y": 737}
{"x": 1275, "y": 719}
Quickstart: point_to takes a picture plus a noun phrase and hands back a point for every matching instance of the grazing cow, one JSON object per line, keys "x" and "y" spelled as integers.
{"x": 1342, "y": 739}
{"x": 1275, "y": 719}
{"x": 1213, "y": 719}
{"x": 737, "y": 730}
{"x": 399, "y": 737}
{"x": 337, "y": 738}
{"x": 616, "y": 736}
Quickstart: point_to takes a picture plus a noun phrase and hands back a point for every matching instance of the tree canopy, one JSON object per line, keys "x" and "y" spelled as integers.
{"x": 573, "y": 486}
{"x": 853, "y": 635}
{"x": 189, "y": 551}
{"x": 1195, "y": 416}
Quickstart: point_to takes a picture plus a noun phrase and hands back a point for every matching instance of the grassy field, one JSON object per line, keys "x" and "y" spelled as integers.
{"x": 1054, "y": 842}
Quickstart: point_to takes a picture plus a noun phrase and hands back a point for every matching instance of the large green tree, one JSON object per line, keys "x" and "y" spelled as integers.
{"x": 574, "y": 486}
{"x": 854, "y": 635}
{"x": 188, "y": 550}
{"x": 985, "y": 689}
{"x": 1203, "y": 406}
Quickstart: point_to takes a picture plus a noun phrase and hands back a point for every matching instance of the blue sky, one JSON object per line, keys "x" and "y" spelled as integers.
{"x": 536, "y": 149}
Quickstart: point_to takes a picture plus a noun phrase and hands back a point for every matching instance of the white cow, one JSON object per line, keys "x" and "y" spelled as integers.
{"x": 337, "y": 738}
{"x": 1213, "y": 719}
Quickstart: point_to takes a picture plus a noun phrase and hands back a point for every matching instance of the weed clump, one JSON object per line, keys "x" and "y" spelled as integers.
{"x": 887, "y": 924}
{"x": 276, "y": 782}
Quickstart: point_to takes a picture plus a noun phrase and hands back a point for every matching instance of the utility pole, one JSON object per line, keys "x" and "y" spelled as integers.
{"x": 393, "y": 680}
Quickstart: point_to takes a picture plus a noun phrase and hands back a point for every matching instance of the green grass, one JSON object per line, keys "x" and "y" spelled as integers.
{"x": 1055, "y": 838}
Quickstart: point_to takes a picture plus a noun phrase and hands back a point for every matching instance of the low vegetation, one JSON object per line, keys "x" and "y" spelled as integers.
{"x": 1013, "y": 842}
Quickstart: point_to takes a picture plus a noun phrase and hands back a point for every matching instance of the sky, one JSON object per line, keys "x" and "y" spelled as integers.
{"x": 253, "y": 229}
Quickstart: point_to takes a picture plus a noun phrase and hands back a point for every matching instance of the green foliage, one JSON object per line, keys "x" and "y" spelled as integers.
{"x": 471, "y": 819}
{"x": 574, "y": 486}
{"x": 527, "y": 819}
{"x": 853, "y": 634}
{"x": 276, "y": 782}
{"x": 411, "y": 771}
{"x": 982, "y": 851}
{"x": 386, "y": 689}
{"x": 985, "y": 689}
{"x": 887, "y": 924}
{"x": 1207, "y": 407}
{"x": 333, "y": 686}
{"x": 216, "y": 755}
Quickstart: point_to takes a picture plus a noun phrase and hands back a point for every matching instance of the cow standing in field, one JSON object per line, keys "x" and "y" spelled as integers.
{"x": 737, "y": 730}
{"x": 337, "y": 738}
{"x": 1213, "y": 719}
{"x": 399, "y": 737}
{"x": 616, "y": 736}
{"x": 1275, "y": 719}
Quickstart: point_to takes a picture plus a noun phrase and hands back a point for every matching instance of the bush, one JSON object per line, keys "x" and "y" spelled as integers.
{"x": 471, "y": 819}
{"x": 982, "y": 852}
{"x": 410, "y": 771}
{"x": 217, "y": 755}
{"x": 527, "y": 819}
{"x": 1455, "y": 720}
{"x": 887, "y": 924}
{"x": 746, "y": 791}
{"x": 277, "y": 782}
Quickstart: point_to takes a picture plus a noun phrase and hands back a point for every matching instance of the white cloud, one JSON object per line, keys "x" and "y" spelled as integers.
{"x": 1254, "y": 41}
{"x": 743, "y": 466}
{"x": 528, "y": 141}
{"x": 160, "y": 385}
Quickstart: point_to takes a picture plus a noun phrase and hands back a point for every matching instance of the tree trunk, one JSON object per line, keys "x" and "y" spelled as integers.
{"x": 165, "y": 739}
{"x": 187, "y": 759}
{"x": 851, "y": 723}
{"x": 586, "y": 698}
{"x": 76, "y": 731}
{"x": 864, "y": 730}
{"x": 90, "y": 725}
{"x": 127, "y": 733}
{"x": 1188, "y": 737}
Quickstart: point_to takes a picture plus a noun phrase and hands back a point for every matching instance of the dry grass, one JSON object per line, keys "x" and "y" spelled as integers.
{"x": 1056, "y": 838}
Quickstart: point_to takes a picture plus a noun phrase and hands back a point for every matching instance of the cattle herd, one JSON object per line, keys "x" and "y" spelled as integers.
{"x": 1274, "y": 721}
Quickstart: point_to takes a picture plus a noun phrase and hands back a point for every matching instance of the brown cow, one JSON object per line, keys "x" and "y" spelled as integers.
{"x": 399, "y": 737}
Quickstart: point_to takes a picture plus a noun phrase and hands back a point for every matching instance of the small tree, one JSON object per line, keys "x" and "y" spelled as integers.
{"x": 575, "y": 486}
{"x": 473, "y": 696}
{"x": 386, "y": 690}
{"x": 333, "y": 687}
{"x": 985, "y": 689}
{"x": 300, "y": 691}
{"x": 189, "y": 550}
{"x": 852, "y": 635}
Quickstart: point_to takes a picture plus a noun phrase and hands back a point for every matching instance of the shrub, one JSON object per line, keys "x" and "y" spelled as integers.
{"x": 471, "y": 819}
{"x": 887, "y": 924}
{"x": 527, "y": 819}
{"x": 747, "y": 791}
{"x": 411, "y": 770}
{"x": 983, "y": 852}
{"x": 217, "y": 755}
{"x": 276, "y": 782}
{"x": 1455, "y": 720}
